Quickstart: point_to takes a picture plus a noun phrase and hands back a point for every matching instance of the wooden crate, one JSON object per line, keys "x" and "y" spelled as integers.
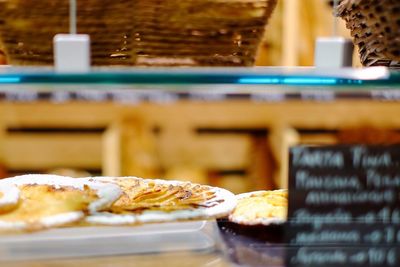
{"x": 217, "y": 142}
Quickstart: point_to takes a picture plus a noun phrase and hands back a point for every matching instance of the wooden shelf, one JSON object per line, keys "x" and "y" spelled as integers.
{"x": 150, "y": 139}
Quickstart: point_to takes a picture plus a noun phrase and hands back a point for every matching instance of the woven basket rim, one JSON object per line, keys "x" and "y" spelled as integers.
{"x": 376, "y": 40}
{"x": 240, "y": 44}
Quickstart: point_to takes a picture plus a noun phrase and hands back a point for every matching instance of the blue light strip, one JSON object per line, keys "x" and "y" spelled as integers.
{"x": 289, "y": 81}
{"x": 259, "y": 80}
{"x": 316, "y": 81}
{"x": 10, "y": 79}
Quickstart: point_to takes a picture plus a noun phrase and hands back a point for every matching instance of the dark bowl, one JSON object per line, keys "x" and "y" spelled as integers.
{"x": 253, "y": 245}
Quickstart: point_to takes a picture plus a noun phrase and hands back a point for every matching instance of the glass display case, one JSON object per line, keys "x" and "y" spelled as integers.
{"x": 229, "y": 127}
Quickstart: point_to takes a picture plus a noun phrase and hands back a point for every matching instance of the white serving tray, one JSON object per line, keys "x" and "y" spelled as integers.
{"x": 94, "y": 241}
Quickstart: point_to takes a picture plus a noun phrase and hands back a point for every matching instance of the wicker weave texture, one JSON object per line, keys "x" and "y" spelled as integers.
{"x": 141, "y": 32}
{"x": 28, "y": 27}
{"x": 375, "y": 26}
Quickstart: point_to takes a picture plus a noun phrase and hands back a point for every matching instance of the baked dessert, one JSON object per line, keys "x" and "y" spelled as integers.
{"x": 35, "y": 202}
{"x": 153, "y": 200}
{"x": 9, "y": 197}
{"x": 261, "y": 207}
{"x": 254, "y": 232}
{"x": 260, "y": 215}
{"x": 49, "y": 201}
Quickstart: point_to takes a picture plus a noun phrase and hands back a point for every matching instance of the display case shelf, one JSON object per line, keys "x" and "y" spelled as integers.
{"x": 262, "y": 84}
{"x": 295, "y": 76}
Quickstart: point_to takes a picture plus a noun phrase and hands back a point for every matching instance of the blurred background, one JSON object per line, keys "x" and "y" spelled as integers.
{"x": 239, "y": 145}
{"x": 294, "y": 26}
{"x": 289, "y": 39}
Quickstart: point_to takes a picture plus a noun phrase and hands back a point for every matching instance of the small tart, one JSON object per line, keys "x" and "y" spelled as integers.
{"x": 261, "y": 207}
{"x": 154, "y": 200}
{"x": 9, "y": 197}
{"x": 50, "y": 201}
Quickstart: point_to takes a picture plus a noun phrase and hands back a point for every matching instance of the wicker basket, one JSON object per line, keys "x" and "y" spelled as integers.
{"x": 141, "y": 32}
{"x": 375, "y": 26}
{"x": 28, "y": 26}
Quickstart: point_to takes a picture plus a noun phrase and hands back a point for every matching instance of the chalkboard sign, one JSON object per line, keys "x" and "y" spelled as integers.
{"x": 344, "y": 206}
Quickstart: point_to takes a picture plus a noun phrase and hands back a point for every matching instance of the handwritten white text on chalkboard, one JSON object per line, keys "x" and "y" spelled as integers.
{"x": 350, "y": 198}
{"x": 379, "y": 180}
{"x": 305, "y": 158}
{"x": 374, "y": 256}
{"x": 361, "y": 158}
{"x": 306, "y": 180}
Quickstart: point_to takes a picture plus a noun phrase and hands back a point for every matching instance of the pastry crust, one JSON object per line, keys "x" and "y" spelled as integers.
{"x": 9, "y": 197}
{"x": 261, "y": 208}
{"x": 153, "y": 200}
{"x": 50, "y": 201}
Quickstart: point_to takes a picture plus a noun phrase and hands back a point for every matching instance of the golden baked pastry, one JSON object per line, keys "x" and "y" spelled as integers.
{"x": 49, "y": 201}
{"x": 261, "y": 207}
{"x": 140, "y": 194}
{"x": 9, "y": 197}
{"x": 41, "y": 201}
{"x": 152, "y": 200}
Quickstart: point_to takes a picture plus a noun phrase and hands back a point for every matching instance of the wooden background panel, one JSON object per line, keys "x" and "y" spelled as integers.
{"x": 299, "y": 114}
{"x": 220, "y": 152}
{"x": 150, "y": 139}
{"x": 230, "y": 114}
{"x": 71, "y": 114}
{"x": 47, "y": 151}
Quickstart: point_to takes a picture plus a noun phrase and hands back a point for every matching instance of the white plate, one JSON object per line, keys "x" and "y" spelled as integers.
{"x": 94, "y": 241}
